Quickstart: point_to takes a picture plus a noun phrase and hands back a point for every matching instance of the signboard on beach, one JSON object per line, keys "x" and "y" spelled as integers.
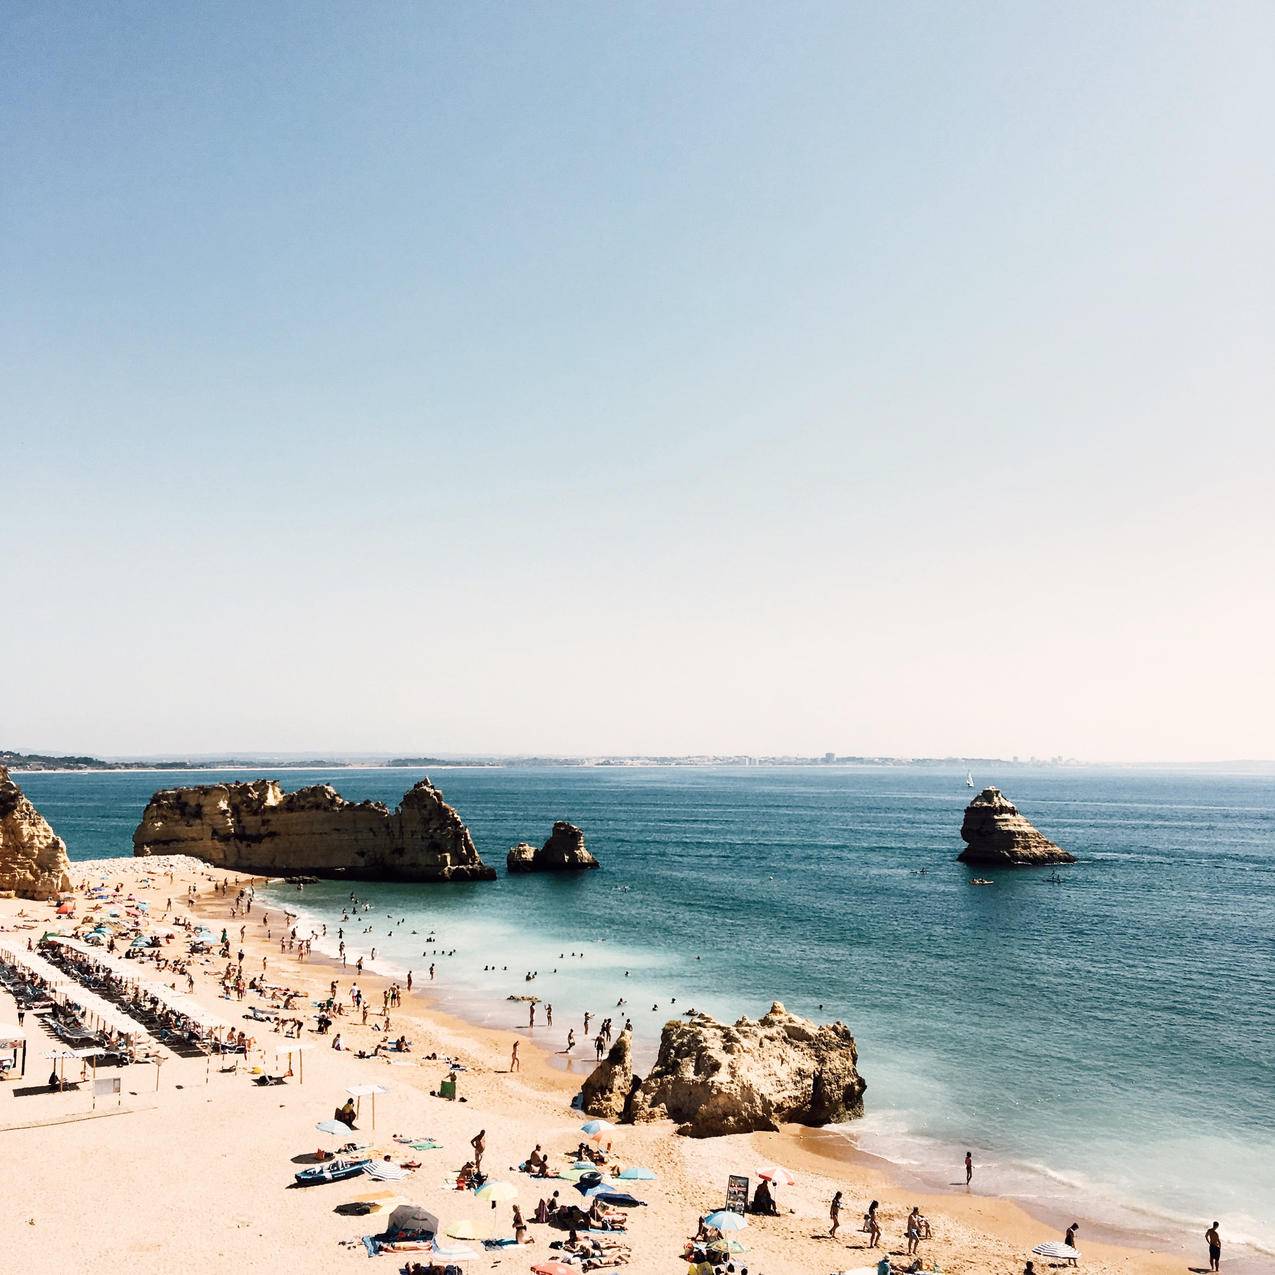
{"x": 737, "y": 1193}
{"x": 106, "y": 1086}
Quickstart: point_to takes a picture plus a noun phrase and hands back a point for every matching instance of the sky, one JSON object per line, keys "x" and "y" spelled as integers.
{"x": 611, "y": 378}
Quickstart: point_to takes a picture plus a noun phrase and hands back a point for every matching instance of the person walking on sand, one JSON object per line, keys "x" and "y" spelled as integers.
{"x": 969, "y": 1167}
{"x": 479, "y": 1143}
{"x": 571, "y": 1039}
{"x": 834, "y": 1212}
{"x": 1070, "y": 1238}
{"x": 1214, "y": 1241}
{"x": 872, "y": 1226}
{"x": 514, "y": 1064}
{"x": 914, "y": 1230}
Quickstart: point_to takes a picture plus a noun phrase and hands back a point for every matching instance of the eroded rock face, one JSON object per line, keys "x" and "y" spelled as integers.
{"x": 33, "y": 861}
{"x": 717, "y": 1079}
{"x": 257, "y": 827}
{"x": 564, "y": 852}
{"x": 996, "y": 835}
{"x": 606, "y": 1092}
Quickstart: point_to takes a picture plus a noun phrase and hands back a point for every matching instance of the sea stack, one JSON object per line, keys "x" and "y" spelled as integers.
{"x": 33, "y": 863}
{"x": 257, "y": 827}
{"x": 714, "y": 1078}
{"x": 997, "y": 836}
{"x": 565, "y": 851}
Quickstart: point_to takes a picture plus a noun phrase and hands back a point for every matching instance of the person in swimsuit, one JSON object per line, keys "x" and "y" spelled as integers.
{"x": 1070, "y": 1238}
{"x": 834, "y": 1212}
{"x": 1214, "y": 1241}
{"x": 969, "y": 1167}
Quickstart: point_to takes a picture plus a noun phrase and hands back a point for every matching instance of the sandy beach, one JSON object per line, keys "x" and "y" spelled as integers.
{"x": 196, "y": 1158}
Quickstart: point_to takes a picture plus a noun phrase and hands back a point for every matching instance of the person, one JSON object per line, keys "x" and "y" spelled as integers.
{"x": 53, "y": 1079}
{"x": 1030, "y": 1268}
{"x": 834, "y": 1212}
{"x": 969, "y": 1167}
{"x": 535, "y": 1159}
{"x": 883, "y": 1266}
{"x": 520, "y": 1228}
{"x": 345, "y": 1113}
{"x": 479, "y": 1143}
{"x": 871, "y": 1225}
{"x": 514, "y": 1064}
{"x": 1070, "y": 1238}
{"x": 763, "y": 1202}
{"x": 1214, "y": 1241}
{"x": 913, "y": 1230}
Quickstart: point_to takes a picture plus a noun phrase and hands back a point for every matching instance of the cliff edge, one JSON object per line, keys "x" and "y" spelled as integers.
{"x": 33, "y": 863}
{"x": 257, "y": 827}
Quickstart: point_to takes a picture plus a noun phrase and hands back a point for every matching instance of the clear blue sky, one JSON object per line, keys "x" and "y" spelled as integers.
{"x": 598, "y": 377}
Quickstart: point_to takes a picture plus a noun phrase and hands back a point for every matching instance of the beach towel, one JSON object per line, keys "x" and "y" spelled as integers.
{"x": 494, "y": 1244}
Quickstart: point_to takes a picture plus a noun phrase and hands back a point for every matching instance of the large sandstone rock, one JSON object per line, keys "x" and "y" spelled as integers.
{"x": 716, "y": 1079}
{"x": 257, "y": 827}
{"x": 33, "y": 860}
{"x": 564, "y": 852}
{"x": 996, "y": 835}
{"x": 606, "y": 1092}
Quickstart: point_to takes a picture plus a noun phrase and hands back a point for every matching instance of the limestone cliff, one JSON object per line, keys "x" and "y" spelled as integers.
{"x": 257, "y": 827}
{"x": 33, "y": 860}
{"x": 565, "y": 851}
{"x": 606, "y": 1091}
{"x": 718, "y": 1079}
{"x": 996, "y": 835}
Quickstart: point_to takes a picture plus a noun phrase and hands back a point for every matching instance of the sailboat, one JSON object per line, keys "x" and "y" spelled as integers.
{"x": 969, "y": 779}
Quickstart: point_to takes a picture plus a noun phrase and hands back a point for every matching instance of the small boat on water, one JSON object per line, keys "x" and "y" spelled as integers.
{"x": 333, "y": 1171}
{"x": 969, "y": 779}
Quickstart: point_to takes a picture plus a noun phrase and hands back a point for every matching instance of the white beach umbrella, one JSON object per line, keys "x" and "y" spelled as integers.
{"x": 1057, "y": 1249}
{"x": 360, "y": 1092}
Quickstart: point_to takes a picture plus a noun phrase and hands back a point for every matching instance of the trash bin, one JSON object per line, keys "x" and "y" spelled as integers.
{"x": 447, "y": 1088}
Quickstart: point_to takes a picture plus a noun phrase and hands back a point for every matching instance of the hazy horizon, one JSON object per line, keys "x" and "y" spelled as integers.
{"x": 669, "y": 379}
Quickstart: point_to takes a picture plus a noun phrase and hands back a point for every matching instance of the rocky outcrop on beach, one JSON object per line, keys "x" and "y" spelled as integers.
{"x": 33, "y": 863}
{"x": 714, "y": 1078}
{"x": 606, "y": 1092}
{"x": 565, "y": 851}
{"x": 257, "y": 827}
{"x": 996, "y": 835}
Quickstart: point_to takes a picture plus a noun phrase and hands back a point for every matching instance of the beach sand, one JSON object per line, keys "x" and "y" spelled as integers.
{"x": 195, "y": 1165}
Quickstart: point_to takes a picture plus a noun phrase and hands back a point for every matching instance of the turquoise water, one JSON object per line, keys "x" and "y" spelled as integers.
{"x": 1105, "y": 1042}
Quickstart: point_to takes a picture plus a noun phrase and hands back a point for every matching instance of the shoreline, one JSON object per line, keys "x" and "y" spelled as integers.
{"x": 974, "y": 1233}
{"x": 830, "y": 1151}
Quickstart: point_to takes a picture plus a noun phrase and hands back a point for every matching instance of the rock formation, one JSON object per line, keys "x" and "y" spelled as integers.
{"x": 564, "y": 852}
{"x": 257, "y": 827}
{"x": 606, "y": 1092}
{"x": 717, "y": 1079}
{"x": 996, "y": 835}
{"x": 33, "y": 862}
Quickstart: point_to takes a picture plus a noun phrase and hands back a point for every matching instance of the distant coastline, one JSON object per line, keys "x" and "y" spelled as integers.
{"x": 33, "y": 763}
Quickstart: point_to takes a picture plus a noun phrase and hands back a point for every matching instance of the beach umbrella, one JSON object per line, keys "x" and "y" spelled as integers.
{"x": 724, "y": 1220}
{"x": 331, "y": 1126}
{"x": 497, "y": 1192}
{"x": 461, "y": 1229}
{"x": 636, "y": 1174}
{"x": 602, "y": 1188}
{"x": 386, "y": 1171}
{"x": 1057, "y": 1249}
{"x": 597, "y": 1128}
{"x": 296, "y": 1047}
{"x": 365, "y": 1091}
{"x": 411, "y": 1217}
{"x": 555, "y": 1268}
{"x": 776, "y": 1175}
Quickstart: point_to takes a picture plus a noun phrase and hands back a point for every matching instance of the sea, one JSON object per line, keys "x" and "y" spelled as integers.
{"x": 1102, "y": 1037}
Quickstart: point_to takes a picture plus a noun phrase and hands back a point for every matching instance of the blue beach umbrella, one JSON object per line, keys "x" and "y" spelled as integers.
{"x": 724, "y": 1220}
